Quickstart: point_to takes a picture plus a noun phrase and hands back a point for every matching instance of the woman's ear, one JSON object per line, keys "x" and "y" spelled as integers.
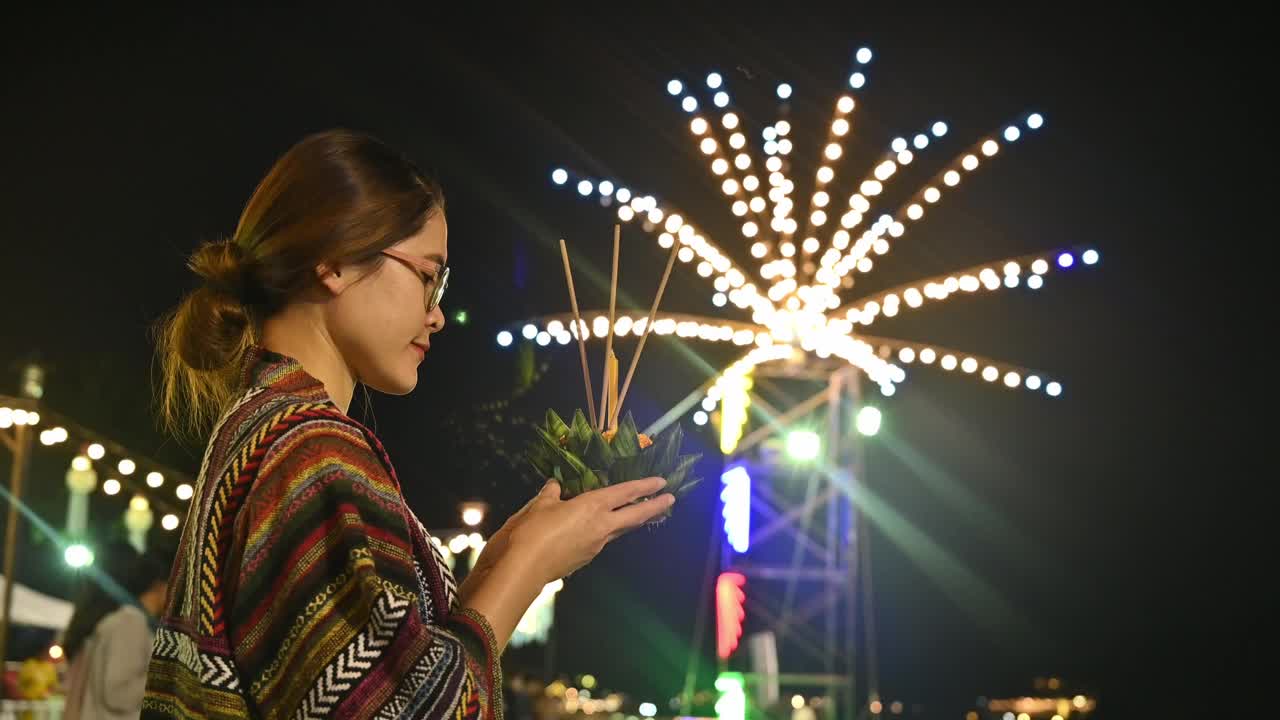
{"x": 332, "y": 278}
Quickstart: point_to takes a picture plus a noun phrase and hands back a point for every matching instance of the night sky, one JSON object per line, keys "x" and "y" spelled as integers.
{"x": 130, "y": 140}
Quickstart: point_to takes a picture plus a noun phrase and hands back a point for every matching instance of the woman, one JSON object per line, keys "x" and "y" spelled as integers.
{"x": 108, "y": 641}
{"x": 304, "y": 586}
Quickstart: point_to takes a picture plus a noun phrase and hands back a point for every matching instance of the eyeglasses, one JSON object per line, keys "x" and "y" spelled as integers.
{"x": 435, "y": 278}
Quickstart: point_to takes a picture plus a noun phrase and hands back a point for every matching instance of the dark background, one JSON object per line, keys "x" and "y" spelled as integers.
{"x": 129, "y": 139}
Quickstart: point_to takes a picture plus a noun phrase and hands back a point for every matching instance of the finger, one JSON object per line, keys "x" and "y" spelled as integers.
{"x": 633, "y": 516}
{"x": 618, "y": 495}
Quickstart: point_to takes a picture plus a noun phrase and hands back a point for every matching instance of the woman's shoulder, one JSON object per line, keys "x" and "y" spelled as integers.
{"x": 124, "y": 619}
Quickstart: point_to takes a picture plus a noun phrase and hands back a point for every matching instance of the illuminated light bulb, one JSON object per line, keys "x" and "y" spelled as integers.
{"x": 810, "y": 245}
{"x": 719, "y": 299}
{"x": 714, "y": 80}
{"x": 749, "y": 229}
{"x": 928, "y": 355}
{"x": 969, "y": 283}
{"x": 685, "y": 254}
{"x": 689, "y": 104}
{"x": 840, "y": 127}
{"x": 969, "y": 365}
{"x": 721, "y": 99}
{"x": 1035, "y": 282}
{"x": 905, "y": 157}
{"x": 1035, "y": 122}
{"x": 857, "y": 80}
{"x": 787, "y": 249}
{"x": 96, "y": 451}
{"x": 169, "y": 522}
{"x": 1054, "y": 389}
{"x": 757, "y": 204}
{"x": 623, "y": 195}
{"x": 859, "y": 203}
{"x": 605, "y": 188}
{"x": 845, "y": 104}
{"x": 126, "y": 467}
{"x": 700, "y": 418}
{"x": 585, "y": 187}
{"x": 1090, "y": 257}
{"x": 888, "y": 391}
{"x": 559, "y": 176}
{"x": 529, "y": 331}
{"x": 155, "y": 479}
{"x": 777, "y": 224}
{"x": 825, "y": 174}
{"x": 675, "y": 87}
{"x": 897, "y": 229}
{"x": 907, "y": 355}
{"x": 939, "y": 129}
{"x": 770, "y": 134}
{"x": 898, "y": 144}
{"x": 666, "y": 240}
{"x": 737, "y": 140}
{"x": 1040, "y": 267}
{"x": 818, "y": 218}
{"x": 841, "y": 239}
{"x": 111, "y": 486}
{"x": 787, "y": 186}
{"x": 740, "y": 208}
{"x": 821, "y": 198}
{"x": 1012, "y": 379}
{"x": 655, "y": 215}
{"x": 543, "y": 338}
{"x": 1066, "y": 260}
{"x": 704, "y": 269}
{"x": 674, "y": 222}
{"x": 698, "y": 126}
{"x": 1011, "y": 281}
{"x": 970, "y": 162}
{"x": 793, "y": 303}
{"x": 881, "y": 246}
{"x": 784, "y": 146}
{"x": 990, "y": 147}
{"x": 708, "y": 146}
{"x": 871, "y": 187}
{"x": 730, "y": 186}
{"x": 758, "y": 250}
{"x": 949, "y": 362}
{"x": 833, "y": 152}
{"x": 1012, "y": 268}
{"x": 1011, "y": 134}
{"x": 915, "y": 212}
{"x": 885, "y": 170}
{"x": 564, "y": 338}
{"x": 792, "y": 226}
{"x": 742, "y": 162}
{"x": 784, "y": 91}
{"x": 1033, "y": 382}
{"x": 952, "y": 178}
{"x": 625, "y": 213}
{"x": 921, "y": 141}
{"x": 865, "y": 265}
{"x": 990, "y": 374}
{"x": 783, "y": 127}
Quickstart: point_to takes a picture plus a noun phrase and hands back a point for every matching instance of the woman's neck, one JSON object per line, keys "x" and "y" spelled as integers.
{"x": 299, "y": 332}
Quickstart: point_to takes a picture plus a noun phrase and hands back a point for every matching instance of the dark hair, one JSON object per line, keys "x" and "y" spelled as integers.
{"x": 335, "y": 198}
{"x": 119, "y": 574}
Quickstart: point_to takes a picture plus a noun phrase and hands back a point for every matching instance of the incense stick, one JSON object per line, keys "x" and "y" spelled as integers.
{"x": 648, "y": 328}
{"x": 577, "y": 320}
{"x": 605, "y": 396}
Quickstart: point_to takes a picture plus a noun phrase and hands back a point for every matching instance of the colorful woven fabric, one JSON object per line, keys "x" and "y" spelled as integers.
{"x": 304, "y": 586}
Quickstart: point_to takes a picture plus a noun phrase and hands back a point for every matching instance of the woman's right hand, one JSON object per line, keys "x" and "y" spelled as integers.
{"x": 554, "y": 537}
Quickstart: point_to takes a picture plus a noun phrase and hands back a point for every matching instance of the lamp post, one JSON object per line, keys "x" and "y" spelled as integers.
{"x": 19, "y": 444}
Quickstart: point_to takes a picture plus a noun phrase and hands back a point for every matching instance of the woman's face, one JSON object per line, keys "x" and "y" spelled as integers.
{"x": 379, "y": 319}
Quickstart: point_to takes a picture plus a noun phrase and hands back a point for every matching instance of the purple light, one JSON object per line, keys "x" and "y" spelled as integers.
{"x": 736, "y": 496}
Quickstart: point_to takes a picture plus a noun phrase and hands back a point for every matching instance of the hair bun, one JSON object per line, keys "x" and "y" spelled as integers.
{"x": 224, "y": 266}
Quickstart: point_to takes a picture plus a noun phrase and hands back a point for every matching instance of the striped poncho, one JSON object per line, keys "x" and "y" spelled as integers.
{"x": 304, "y": 586}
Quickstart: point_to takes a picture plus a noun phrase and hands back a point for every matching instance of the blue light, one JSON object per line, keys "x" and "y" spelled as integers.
{"x": 939, "y": 129}
{"x": 689, "y": 104}
{"x": 721, "y": 99}
{"x": 864, "y": 56}
{"x": 1012, "y": 133}
{"x": 623, "y": 195}
{"x": 769, "y": 133}
{"x": 921, "y": 141}
{"x": 559, "y": 176}
{"x": 899, "y": 144}
{"x": 606, "y": 188}
{"x": 1035, "y": 121}
{"x": 770, "y": 147}
{"x": 1066, "y": 260}
{"x": 714, "y": 80}
{"x": 857, "y": 80}
{"x": 675, "y": 87}
{"x": 504, "y": 339}
{"x": 1035, "y": 282}
{"x": 585, "y": 187}
{"x": 736, "y": 497}
{"x": 1090, "y": 257}
{"x": 700, "y": 418}
{"x": 1054, "y": 389}
{"x": 784, "y": 91}
{"x": 529, "y": 332}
